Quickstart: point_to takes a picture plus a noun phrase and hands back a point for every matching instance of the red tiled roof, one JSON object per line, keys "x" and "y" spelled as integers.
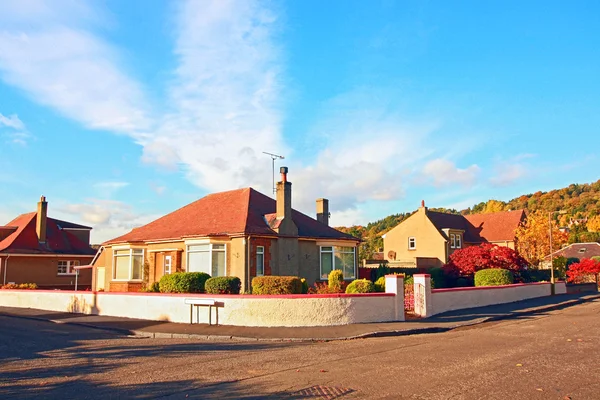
{"x": 578, "y": 250}
{"x": 24, "y": 239}
{"x": 241, "y": 211}
{"x": 496, "y": 227}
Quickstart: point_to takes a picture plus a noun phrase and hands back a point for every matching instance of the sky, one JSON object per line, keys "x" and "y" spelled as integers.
{"x": 120, "y": 112}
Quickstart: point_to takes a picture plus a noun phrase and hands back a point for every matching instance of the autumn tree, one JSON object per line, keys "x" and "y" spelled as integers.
{"x": 585, "y": 267}
{"x": 532, "y": 238}
{"x": 593, "y": 224}
{"x": 468, "y": 260}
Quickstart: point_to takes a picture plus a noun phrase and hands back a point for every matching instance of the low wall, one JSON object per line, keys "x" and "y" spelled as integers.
{"x": 240, "y": 310}
{"x": 443, "y": 300}
{"x": 582, "y": 287}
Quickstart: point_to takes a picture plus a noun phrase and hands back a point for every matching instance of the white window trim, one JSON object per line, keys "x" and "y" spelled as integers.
{"x": 333, "y": 267}
{"x": 210, "y": 253}
{"x": 458, "y": 241}
{"x": 452, "y": 241}
{"x": 261, "y": 252}
{"x": 70, "y": 267}
{"x": 131, "y": 250}
{"x": 170, "y": 258}
{"x": 414, "y": 239}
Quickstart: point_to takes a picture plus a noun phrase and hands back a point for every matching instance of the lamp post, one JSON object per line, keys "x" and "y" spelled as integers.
{"x": 561, "y": 212}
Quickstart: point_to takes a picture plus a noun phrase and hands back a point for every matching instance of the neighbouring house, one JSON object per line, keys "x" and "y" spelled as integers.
{"x": 577, "y": 250}
{"x": 35, "y": 248}
{"x": 428, "y": 238}
{"x": 240, "y": 233}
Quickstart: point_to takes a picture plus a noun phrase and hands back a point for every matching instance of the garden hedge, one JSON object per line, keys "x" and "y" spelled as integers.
{"x": 335, "y": 280}
{"x": 380, "y": 284}
{"x": 223, "y": 285}
{"x": 360, "y": 286}
{"x": 276, "y": 285}
{"x": 183, "y": 282}
{"x": 494, "y": 277}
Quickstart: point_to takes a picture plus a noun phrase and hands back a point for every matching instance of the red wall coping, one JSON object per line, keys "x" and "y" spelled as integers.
{"x": 217, "y": 296}
{"x": 425, "y": 275}
{"x": 488, "y": 287}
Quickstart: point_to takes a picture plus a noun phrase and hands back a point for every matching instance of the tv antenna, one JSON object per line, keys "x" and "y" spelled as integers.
{"x": 273, "y": 158}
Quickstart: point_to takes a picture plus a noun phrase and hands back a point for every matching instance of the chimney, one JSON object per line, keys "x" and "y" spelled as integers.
{"x": 423, "y": 206}
{"x": 42, "y": 214}
{"x": 284, "y": 205}
{"x": 323, "y": 211}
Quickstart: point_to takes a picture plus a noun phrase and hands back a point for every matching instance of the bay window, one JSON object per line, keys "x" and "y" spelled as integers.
{"x": 128, "y": 264}
{"x": 337, "y": 257}
{"x": 209, "y": 258}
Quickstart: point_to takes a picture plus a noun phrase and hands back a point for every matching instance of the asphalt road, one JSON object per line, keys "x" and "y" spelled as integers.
{"x": 548, "y": 356}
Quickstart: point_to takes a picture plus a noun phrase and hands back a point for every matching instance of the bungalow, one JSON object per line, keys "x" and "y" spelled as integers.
{"x": 577, "y": 250}
{"x": 240, "y": 232}
{"x": 37, "y": 249}
{"x": 428, "y": 238}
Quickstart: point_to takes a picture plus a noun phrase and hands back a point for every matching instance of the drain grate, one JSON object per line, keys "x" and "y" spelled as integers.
{"x": 321, "y": 392}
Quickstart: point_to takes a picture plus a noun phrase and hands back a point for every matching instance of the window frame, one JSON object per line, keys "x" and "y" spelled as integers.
{"x": 210, "y": 252}
{"x": 170, "y": 263}
{"x": 458, "y": 241}
{"x": 133, "y": 251}
{"x": 414, "y": 242}
{"x": 260, "y": 250}
{"x": 333, "y": 266}
{"x": 452, "y": 241}
{"x": 71, "y": 264}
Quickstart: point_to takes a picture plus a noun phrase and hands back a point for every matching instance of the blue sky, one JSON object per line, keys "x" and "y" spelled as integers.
{"x": 120, "y": 112}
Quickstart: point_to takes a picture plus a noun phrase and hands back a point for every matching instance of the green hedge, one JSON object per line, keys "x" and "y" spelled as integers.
{"x": 276, "y": 285}
{"x": 361, "y": 286}
{"x": 183, "y": 282}
{"x": 494, "y": 277}
{"x": 223, "y": 285}
{"x": 335, "y": 280}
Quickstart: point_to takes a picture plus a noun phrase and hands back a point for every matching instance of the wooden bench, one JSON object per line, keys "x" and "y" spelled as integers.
{"x": 210, "y": 303}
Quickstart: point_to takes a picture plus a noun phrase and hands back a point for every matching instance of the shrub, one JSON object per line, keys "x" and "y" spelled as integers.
{"x": 409, "y": 280}
{"x": 536, "y": 275}
{"x": 223, "y": 285}
{"x": 335, "y": 280}
{"x": 469, "y": 260}
{"x": 304, "y": 286}
{"x": 586, "y": 266}
{"x": 21, "y": 286}
{"x": 321, "y": 288}
{"x": 493, "y": 277}
{"x": 183, "y": 282}
{"x": 596, "y": 258}
{"x": 276, "y": 285}
{"x": 152, "y": 288}
{"x": 360, "y": 286}
{"x": 382, "y": 270}
{"x": 571, "y": 260}
{"x": 464, "y": 282}
{"x": 379, "y": 284}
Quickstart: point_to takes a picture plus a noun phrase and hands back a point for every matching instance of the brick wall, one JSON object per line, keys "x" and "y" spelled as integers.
{"x": 125, "y": 286}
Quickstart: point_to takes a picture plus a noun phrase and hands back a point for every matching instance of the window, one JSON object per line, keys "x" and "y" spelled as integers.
{"x": 452, "y": 241}
{"x": 582, "y": 250}
{"x": 260, "y": 260}
{"x": 209, "y": 258}
{"x": 67, "y": 267}
{"x": 168, "y": 263}
{"x": 335, "y": 257}
{"x": 412, "y": 243}
{"x": 128, "y": 264}
{"x": 458, "y": 241}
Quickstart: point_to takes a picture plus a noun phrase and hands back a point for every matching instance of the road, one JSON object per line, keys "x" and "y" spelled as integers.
{"x": 548, "y": 356}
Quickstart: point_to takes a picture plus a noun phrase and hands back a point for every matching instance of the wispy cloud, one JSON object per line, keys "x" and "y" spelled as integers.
{"x": 444, "y": 172}
{"x": 109, "y": 188}
{"x": 508, "y": 171}
{"x": 15, "y": 129}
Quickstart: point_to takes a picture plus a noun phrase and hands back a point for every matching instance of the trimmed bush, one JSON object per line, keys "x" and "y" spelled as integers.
{"x": 463, "y": 282}
{"x": 276, "y": 285}
{"x": 379, "y": 284}
{"x": 361, "y": 286}
{"x": 223, "y": 285}
{"x": 183, "y": 282}
{"x": 494, "y": 277}
{"x": 304, "y": 286}
{"x": 335, "y": 280}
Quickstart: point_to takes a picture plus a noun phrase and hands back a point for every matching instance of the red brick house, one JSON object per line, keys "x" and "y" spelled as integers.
{"x": 37, "y": 249}
{"x": 240, "y": 232}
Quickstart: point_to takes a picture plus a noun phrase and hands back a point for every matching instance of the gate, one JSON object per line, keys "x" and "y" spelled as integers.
{"x": 409, "y": 298}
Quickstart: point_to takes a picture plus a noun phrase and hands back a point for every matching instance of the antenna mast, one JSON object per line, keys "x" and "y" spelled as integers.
{"x": 273, "y": 158}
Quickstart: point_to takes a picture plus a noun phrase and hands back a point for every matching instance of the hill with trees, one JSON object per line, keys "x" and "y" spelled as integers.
{"x": 579, "y": 205}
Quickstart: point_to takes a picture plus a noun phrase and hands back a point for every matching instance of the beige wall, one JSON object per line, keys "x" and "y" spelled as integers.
{"x": 43, "y": 271}
{"x": 430, "y": 242}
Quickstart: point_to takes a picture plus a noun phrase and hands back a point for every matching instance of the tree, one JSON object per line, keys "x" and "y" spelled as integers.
{"x": 593, "y": 224}
{"x": 585, "y": 267}
{"x": 468, "y": 260}
{"x": 533, "y": 241}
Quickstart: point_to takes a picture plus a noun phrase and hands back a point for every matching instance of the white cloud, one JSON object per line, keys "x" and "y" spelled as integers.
{"x": 15, "y": 129}
{"x": 443, "y": 172}
{"x": 57, "y": 63}
{"x": 508, "y": 173}
{"x": 108, "y": 218}
{"x": 108, "y": 189}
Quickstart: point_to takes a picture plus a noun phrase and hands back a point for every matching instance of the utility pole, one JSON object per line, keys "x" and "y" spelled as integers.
{"x": 273, "y": 158}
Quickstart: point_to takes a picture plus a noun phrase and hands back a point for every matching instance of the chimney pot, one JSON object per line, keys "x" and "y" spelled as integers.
{"x": 422, "y": 203}
{"x": 283, "y": 171}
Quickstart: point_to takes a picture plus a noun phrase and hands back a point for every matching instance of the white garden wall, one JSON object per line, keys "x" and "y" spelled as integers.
{"x": 240, "y": 310}
{"x": 443, "y": 300}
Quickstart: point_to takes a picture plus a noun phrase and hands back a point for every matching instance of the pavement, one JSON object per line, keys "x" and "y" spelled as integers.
{"x": 436, "y": 324}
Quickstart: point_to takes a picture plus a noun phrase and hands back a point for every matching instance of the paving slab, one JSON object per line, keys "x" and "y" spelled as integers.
{"x": 438, "y": 323}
